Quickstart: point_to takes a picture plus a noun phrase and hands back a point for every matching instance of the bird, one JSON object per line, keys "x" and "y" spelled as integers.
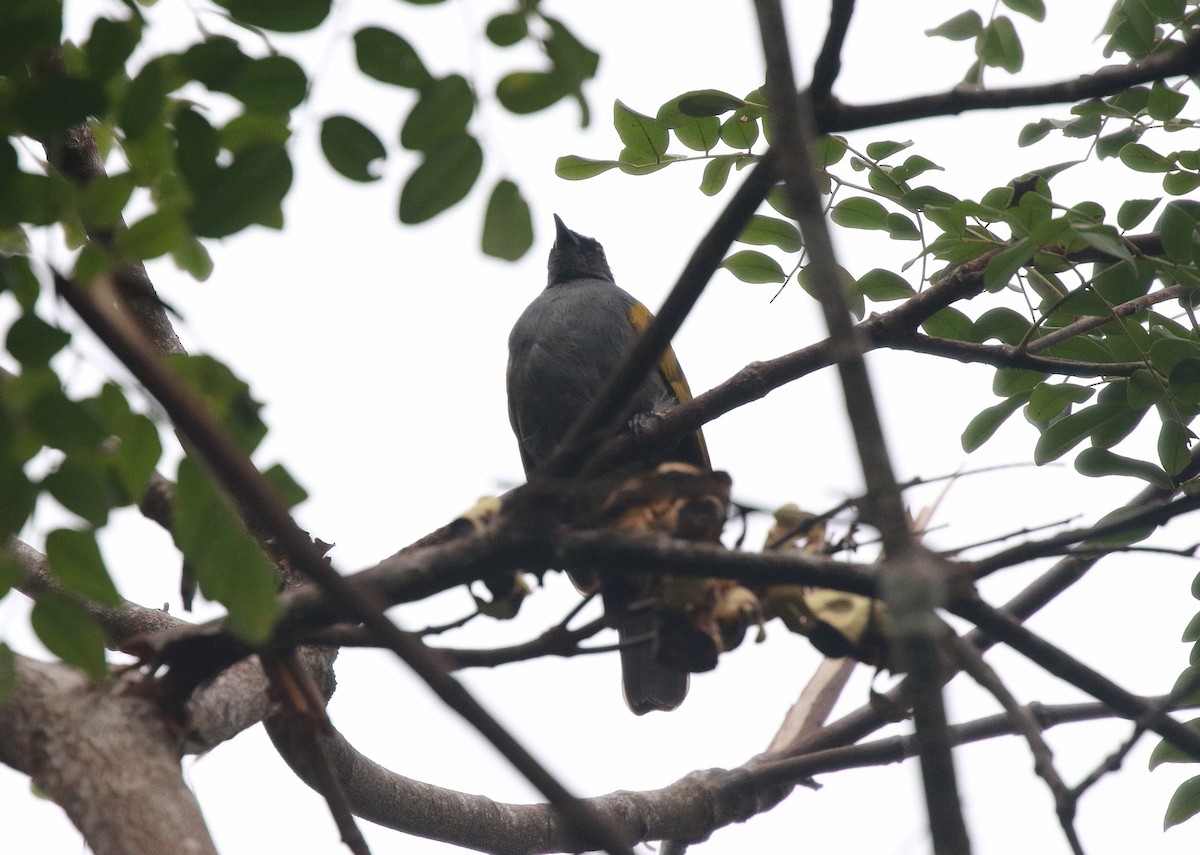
{"x": 562, "y": 349}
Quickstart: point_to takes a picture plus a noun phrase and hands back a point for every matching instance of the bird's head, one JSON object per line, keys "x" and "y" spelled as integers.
{"x": 575, "y": 256}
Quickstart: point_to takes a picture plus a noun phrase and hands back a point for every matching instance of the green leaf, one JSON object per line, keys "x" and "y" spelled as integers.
{"x": 215, "y": 62}
{"x": 507, "y": 224}
{"x": 1142, "y": 158}
{"x": 75, "y": 558}
{"x": 1100, "y": 462}
{"x": 1166, "y": 353}
{"x": 288, "y": 488}
{"x": 507, "y": 29}
{"x": 1104, "y": 238}
{"x": 716, "y": 173}
{"x": 152, "y": 236}
{"x": 142, "y": 105}
{"x": 1004, "y": 265}
{"x": 708, "y": 102}
{"x": 1177, "y": 228}
{"x": 1191, "y": 632}
{"x": 351, "y": 147}
{"x": 63, "y": 423}
{"x": 388, "y": 58}
{"x": 443, "y": 179}
{"x": 1143, "y": 389}
{"x": 273, "y": 84}
{"x": 226, "y": 396}
{"x": 1180, "y": 183}
{"x": 1173, "y": 439}
{"x": 443, "y": 110}
{"x": 763, "y": 231}
{"x": 1133, "y": 211}
{"x": 985, "y": 424}
{"x": 900, "y": 227}
{"x": 644, "y": 140}
{"x": 1035, "y": 9}
{"x": 881, "y": 285}
{"x": 248, "y": 191}
{"x": 1003, "y": 324}
{"x": 859, "y": 212}
{"x": 1050, "y": 399}
{"x": 1184, "y": 804}
{"x": 1184, "y": 381}
{"x": 135, "y": 453}
{"x": 1069, "y": 431}
{"x": 1035, "y": 131}
{"x": 45, "y": 105}
{"x": 949, "y": 323}
{"x": 754, "y": 267}
{"x": 83, "y": 485}
{"x": 524, "y": 92}
{"x": 740, "y": 130}
{"x": 110, "y": 45}
{"x": 883, "y": 149}
{"x": 575, "y": 168}
{"x": 229, "y": 566}
{"x": 103, "y": 199}
{"x": 19, "y": 497}
{"x": 699, "y": 134}
{"x": 1166, "y": 752}
{"x": 69, "y": 632}
{"x": 293, "y": 16}
{"x": 963, "y": 26}
{"x": 1164, "y": 102}
{"x": 829, "y": 149}
{"x": 32, "y": 341}
{"x": 1001, "y": 47}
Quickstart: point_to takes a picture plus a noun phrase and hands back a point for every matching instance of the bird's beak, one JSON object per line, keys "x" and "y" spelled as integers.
{"x": 563, "y": 235}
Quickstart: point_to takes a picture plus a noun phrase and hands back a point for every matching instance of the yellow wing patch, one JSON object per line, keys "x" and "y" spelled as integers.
{"x": 668, "y": 367}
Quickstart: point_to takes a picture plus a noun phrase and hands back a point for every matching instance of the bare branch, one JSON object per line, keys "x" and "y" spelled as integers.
{"x": 1183, "y": 61}
{"x": 1008, "y": 356}
{"x": 1027, "y": 725}
{"x": 829, "y": 60}
{"x": 1005, "y": 628}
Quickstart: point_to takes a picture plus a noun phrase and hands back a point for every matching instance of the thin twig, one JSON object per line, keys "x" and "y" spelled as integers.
{"x": 1113, "y": 762}
{"x": 1090, "y": 322}
{"x": 1027, "y": 725}
{"x": 1005, "y": 628}
{"x": 304, "y": 709}
{"x": 1008, "y": 356}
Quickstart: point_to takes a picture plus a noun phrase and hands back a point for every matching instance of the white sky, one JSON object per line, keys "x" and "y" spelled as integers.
{"x": 380, "y": 353}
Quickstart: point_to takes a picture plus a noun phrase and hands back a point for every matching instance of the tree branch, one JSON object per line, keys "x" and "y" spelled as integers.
{"x": 911, "y": 581}
{"x": 236, "y": 474}
{"x": 105, "y": 754}
{"x": 829, "y": 60}
{"x": 1183, "y": 61}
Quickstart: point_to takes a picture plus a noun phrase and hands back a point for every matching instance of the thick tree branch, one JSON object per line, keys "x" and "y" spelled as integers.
{"x": 688, "y": 810}
{"x": 105, "y": 755}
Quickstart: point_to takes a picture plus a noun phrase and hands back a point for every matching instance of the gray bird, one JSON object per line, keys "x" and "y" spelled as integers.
{"x": 561, "y": 350}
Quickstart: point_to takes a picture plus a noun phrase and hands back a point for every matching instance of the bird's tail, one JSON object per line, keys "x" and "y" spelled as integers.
{"x": 649, "y": 683}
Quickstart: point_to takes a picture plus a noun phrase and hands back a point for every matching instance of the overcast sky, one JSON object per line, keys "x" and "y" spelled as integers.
{"x": 380, "y": 353}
